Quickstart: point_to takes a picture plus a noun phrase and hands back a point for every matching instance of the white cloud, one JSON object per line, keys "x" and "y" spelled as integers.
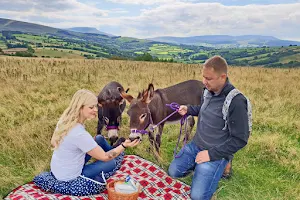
{"x": 170, "y": 19}
{"x": 59, "y": 9}
{"x": 148, "y": 2}
{"x": 182, "y": 19}
{"x": 144, "y": 2}
{"x": 118, "y": 11}
{"x": 55, "y": 5}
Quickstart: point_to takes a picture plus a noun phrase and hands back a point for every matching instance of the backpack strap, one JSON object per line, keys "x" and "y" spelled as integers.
{"x": 205, "y": 93}
{"x": 227, "y": 103}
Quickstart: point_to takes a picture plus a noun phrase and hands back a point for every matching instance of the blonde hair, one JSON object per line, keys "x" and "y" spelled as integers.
{"x": 71, "y": 115}
{"x": 217, "y": 63}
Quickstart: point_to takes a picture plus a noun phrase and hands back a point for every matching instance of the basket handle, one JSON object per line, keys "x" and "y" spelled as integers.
{"x": 102, "y": 174}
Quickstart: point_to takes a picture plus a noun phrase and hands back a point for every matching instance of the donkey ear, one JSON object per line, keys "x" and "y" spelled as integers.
{"x": 101, "y": 102}
{"x": 121, "y": 102}
{"x": 148, "y": 95}
{"x": 140, "y": 96}
{"x": 124, "y": 95}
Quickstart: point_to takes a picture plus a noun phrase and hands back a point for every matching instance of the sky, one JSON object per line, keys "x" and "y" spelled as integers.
{"x": 153, "y": 18}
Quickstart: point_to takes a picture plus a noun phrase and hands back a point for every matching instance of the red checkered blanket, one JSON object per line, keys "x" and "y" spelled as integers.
{"x": 155, "y": 182}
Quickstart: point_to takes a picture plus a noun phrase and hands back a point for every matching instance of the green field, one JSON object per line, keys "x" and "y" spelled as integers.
{"x": 2, "y": 45}
{"x": 287, "y": 59}
{"x": 166, "y": 51}
{"x": 253, "y": 57}
{"x": 139, "y": 53}
{"x": 32, "y": 38}
{"x": 61, "y": 53}
{"x": 130, "y": 39}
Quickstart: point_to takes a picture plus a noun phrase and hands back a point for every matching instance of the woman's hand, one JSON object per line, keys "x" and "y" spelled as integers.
{"x": 128, "y": 143}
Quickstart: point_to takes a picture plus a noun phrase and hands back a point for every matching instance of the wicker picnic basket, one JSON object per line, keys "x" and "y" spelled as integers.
{"x": 113, "y": 195}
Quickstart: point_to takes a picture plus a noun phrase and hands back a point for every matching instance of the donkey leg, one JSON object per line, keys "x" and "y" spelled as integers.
{"x": 100, "y": 121}
{"x": 190, "y": 124}
{"x": 228, "y": 170}
{"x": 158, "y": 138}
{"x": 100, "y": 126}
{"x": 151, "y": 140}
{"x": 153, "y": 147}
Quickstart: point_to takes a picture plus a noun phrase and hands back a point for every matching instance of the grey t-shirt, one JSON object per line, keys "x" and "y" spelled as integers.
{"x": 68, "y": 159}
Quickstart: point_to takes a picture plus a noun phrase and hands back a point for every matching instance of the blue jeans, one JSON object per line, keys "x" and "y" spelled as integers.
{"x": 94, "y": 170}
{"x": 206, "y": 175}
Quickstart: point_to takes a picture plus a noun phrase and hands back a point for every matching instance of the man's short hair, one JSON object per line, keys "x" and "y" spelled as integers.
{"x": 218, "y": 63}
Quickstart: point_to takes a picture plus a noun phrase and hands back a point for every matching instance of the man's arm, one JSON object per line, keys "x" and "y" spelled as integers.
{"x": 193, "y": 110}
{"x": 238, "y": 128}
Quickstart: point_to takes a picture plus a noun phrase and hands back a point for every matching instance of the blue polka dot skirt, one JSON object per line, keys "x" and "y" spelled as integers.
{"x": 81, "y": 186}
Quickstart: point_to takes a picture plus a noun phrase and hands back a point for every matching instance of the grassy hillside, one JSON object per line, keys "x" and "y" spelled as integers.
{"x": 129, "y": 48}
{"x": 266, "y": 56}
{"x": 13, "y": 25}
{"x": 227, "y": 41}
{"x": 295, "y": 57}
{"x": 36, "y": 91}
{"x": 17, "y": 34}
{"x": 167, "y": 51}
{"x": 59, "y": 53}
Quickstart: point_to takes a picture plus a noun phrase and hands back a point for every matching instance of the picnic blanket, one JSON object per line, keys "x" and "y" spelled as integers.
{"x": 155, "y": 182}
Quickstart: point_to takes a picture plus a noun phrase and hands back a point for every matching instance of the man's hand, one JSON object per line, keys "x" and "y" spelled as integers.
{"x": 182, "y": 110}
{"x": 202, "y": 157}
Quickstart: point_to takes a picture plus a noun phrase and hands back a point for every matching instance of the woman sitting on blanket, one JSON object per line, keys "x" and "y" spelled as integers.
{"x": 74, "y": 146}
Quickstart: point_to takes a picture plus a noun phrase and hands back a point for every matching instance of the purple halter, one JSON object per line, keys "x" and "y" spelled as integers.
{"x": 174, "y": 106}
{"x": 139, "y": 131}
{"x": 112, "y": 128}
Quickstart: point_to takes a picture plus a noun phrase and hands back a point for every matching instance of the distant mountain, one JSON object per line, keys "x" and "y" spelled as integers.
{"x": 13, "y": 25}
{"x": 88, "y": 30}
{"x": 227, "y": 41}
{"x": 25, "y": 27}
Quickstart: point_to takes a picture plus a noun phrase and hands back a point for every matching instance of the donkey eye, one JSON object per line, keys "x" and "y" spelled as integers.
{"x": 143, "y": 116}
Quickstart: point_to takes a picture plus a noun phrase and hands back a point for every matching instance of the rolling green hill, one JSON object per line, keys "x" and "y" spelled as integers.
{"x": 227, "y": 41}
{"x": 43, "y": 41}
{"x": 13, "y": 25}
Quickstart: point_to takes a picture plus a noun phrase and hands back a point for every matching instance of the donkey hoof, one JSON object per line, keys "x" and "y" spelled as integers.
{"x": 148, "y": 149}
{"x": 227, "y": 175}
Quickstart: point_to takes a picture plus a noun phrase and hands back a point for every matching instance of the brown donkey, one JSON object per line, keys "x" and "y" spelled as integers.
{"x": 149, "y": 108}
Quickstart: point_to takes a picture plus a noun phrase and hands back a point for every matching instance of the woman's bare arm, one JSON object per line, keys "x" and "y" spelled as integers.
{"x": 100, "y": 154}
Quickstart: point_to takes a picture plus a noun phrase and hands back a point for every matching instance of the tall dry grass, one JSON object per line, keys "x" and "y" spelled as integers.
{"x": 34, "y": 93}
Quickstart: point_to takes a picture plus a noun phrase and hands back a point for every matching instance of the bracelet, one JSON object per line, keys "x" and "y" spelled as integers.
{"x": 123, "y": 146}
